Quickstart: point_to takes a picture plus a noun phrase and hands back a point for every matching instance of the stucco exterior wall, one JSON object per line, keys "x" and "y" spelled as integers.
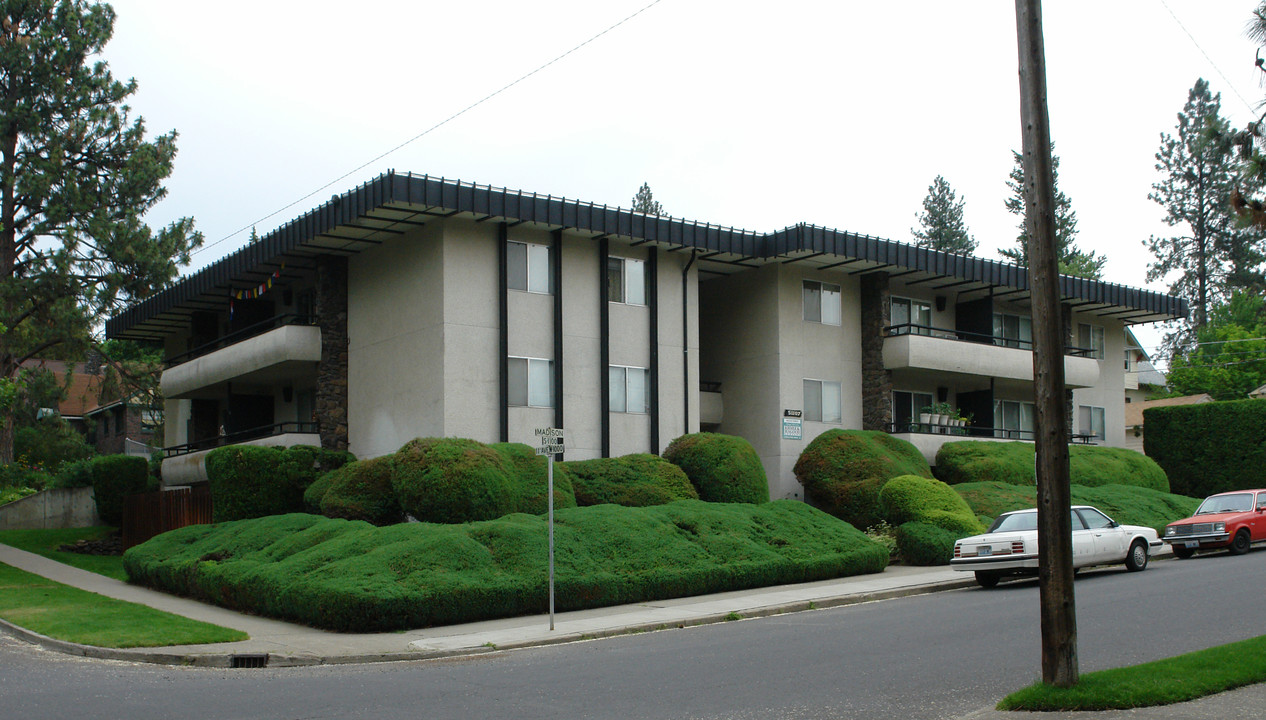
{"x": 1109, "y": 392}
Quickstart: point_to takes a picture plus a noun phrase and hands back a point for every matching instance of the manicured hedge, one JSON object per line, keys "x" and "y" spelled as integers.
{"x": 351, "y": 576}
{"x": 1012, "y": 462}
{"x": 361, "y": 490}
{"x": 908, "y": 498}
{"x": 843, "y": 470}
{"x": 1208, "y": 448}
{"x": 925, "y": 544}
{"x": 722, "y": 468}
{"x": 114, "y": 478}
{"x": 249, "y": 481}
{"x": 637, "y": 480}
{"x": 1124, "y": 503}
{"x": 529, "y": 473}
{"x": 452, "y": 480}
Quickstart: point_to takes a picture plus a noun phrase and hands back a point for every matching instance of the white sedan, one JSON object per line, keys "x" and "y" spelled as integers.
{"x": 1010, "y": 545}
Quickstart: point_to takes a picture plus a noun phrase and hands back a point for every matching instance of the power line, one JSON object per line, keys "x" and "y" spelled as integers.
{"x": 1217, "y": 69}
{"x": 427, "y": 131}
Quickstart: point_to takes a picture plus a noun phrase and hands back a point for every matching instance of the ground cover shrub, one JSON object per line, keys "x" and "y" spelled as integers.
{"x": 114, "y": 478}
{"x": 722, "y": 468}
{"x": 529, "y": 473}
{"x": 637, "y": 480}
{"x": 362, "y": 490}
{"x": 1012, "y": 462}
{"x": 73, "y": 474}
{"x": 843, "y": 470}
{"x": 1208, "y": 448}
{"x": 352, "y": 576}
{"x": 452, "y": 480}
{"x": 253, "y": 481}
{"x": 1126, "y": 504}
{"x": 921, "y": 543}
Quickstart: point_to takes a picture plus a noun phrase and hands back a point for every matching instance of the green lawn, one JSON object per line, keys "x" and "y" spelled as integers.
{"x": 46, "y": 542}
{"x": 1163, "y": 682}
{"x": 75, "y": 615}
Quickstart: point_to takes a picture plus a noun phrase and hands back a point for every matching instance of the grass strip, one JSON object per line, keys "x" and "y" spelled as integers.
{"x": 67, "y": 613}
{"x": 1162, "y": 682}
{"x": 46, "y": 542}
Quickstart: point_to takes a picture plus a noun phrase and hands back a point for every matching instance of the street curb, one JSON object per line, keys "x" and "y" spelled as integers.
{"x": 225, "y": 660}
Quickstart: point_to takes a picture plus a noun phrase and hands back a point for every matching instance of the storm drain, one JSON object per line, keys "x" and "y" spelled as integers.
{"x": 254, "y": 660}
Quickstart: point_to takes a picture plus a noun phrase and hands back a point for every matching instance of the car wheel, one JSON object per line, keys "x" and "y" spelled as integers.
{"x": 1136, "y": 559}
{"x": 1182, "y": 553}
{"x": 1241, "y": 543}
{"x": 987, "y": 579}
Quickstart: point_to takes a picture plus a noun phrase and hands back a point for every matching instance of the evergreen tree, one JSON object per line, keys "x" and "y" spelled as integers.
{"x": 1072, "y": 261}
{"x": 1212, "y": 254}
{"x": 644, "y": 202}
{"x": 76, "y": 178}
{"x": 942, "y": 222}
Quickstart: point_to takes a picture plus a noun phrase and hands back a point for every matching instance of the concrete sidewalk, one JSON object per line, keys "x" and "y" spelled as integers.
{"x": 286, "y": 644}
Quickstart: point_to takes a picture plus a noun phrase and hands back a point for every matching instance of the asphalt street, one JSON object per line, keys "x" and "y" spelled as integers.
{"x": 932, "y": 656}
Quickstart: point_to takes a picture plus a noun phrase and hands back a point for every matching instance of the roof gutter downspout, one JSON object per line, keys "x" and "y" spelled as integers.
{"x": 685, "y": 341}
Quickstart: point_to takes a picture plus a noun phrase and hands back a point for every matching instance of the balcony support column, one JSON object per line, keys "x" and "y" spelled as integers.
{"x": 331, "y": 387}
{"x": 876, "y": 380}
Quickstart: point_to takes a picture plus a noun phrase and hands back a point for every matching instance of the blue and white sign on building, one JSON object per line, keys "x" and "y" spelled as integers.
{"x": 791, "y": 429}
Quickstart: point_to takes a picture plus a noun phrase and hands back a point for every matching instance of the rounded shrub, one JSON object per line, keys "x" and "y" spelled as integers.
{"x": 250, "y": 481}
{"x": 530, "y": 475}
{"x": 1012, "y": 462}
{"x": 843, "y": 470}
{"x": 925, "y": 544}
{"x": 114, "y": 478}
{"x": 722, "y": 468}
{"x": 452, "y": 480}
{"x": 912, "y": 498}
{"x": 637, "y": 480}
{"x": 361, "y": 490}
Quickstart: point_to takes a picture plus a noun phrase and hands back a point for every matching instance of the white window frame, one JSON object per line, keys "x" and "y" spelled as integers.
{"x": 536, "y": 275}
{"x": 1022, "y": 430}
{"x": 822, "y": 302}
{"x": 821, "y": 388}
{"x": 910, "y": 305}
{"x": 1086, "y": 416}
{"x": 535, "y": 372}
{"x": 1087, "y": 334}
{"x": 621, "y": 378}
{"x": 630, "y": 289}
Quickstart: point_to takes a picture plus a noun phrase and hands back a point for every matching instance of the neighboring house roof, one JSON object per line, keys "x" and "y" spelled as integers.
{"x": 1148, "y": 374}
{"x": 1259, "y": 393}
{"x": 394, "y": 204}
{"x": 81, "y": 395}
{"x": 1134, "y": 411}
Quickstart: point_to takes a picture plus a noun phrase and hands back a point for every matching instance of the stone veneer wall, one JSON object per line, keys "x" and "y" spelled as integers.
{"x": 331, "y": 389}
{"x": 876, "y": 381}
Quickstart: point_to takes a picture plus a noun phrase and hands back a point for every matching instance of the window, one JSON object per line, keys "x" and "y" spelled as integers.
{"x": 821, "y": 302}
{"x": 630, "y": 389}
{"x": 1014, "y": 331}
{"x": 1095, "y": 520}
{"x": 906, "y": 407}
{"x": 1090, "y": 421}
{"x": 626, "y": 281}
{"x": 528, "y": 267}
{"x": 915, "y": 314}
{"x": 822, "y": 401}
{"x": 531, "y": 382}
{"x": 1090, "y": 337}
{"x": 1015, "y": 418}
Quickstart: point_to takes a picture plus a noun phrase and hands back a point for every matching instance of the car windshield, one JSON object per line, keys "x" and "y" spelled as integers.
{"x": 1015, "y": 522}
{"x": 1239, "y": 502}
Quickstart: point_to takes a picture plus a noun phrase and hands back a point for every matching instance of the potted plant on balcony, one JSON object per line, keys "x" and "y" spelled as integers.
{"x": 925, "y": 417}
{"x": 941, "y": 413}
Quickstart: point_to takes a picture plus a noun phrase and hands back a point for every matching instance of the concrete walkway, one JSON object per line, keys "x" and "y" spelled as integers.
{"x": 287, "y": 644}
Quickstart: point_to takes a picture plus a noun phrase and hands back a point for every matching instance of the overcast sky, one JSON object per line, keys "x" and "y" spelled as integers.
{"x": 757, "y": 115}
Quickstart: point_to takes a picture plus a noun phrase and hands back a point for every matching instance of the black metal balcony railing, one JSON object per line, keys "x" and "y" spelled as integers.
{"x": 971, "y": 431}
{"x": 979, "y": 338}
{"x": 238, "y": 336}
{"x": 240, "y": 436}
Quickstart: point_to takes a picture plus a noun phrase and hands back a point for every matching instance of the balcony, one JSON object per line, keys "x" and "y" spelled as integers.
{"x": 186, "y": 464}
{"x": 943, "y": 351}
{"x": 268, "y": 353}
{"x": 929, "y": 438}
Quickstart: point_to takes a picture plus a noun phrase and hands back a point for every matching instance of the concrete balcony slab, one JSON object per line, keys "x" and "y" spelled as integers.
{"x": 954, "y": 356}
{"x": 270, "y": 358}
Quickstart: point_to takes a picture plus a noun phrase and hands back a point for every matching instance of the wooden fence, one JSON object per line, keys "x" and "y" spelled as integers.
{"x": 150, "y": 514}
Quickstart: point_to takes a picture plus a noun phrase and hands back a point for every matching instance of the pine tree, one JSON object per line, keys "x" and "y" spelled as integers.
{"x": 1212, "y": 254}
{"x": 1072, "y": 261}
{"x": 644, "y": 202}
{"x": 942, "y": 222}
{"x": 76, "y": 178}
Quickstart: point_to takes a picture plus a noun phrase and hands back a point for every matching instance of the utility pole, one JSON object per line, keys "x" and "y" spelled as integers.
{"x": 1054, "y": 521}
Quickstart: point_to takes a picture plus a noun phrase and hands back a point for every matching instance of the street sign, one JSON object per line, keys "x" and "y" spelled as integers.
{"x": 550, "y": 443}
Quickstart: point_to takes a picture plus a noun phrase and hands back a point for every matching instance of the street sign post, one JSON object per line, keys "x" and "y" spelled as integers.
{"x": 550, "y": 443}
